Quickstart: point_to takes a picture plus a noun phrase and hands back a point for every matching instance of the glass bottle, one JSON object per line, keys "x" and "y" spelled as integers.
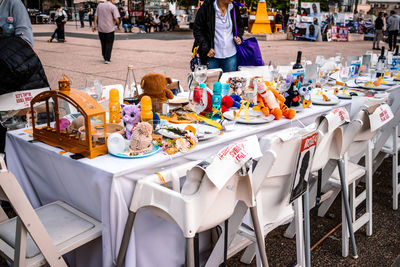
{"x": 131, "y": 94}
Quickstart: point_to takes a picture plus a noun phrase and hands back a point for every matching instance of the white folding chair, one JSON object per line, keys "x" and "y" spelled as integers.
{"x": 357, "y": 142}
{"x": 272, "y": 183}
{"x": 388, "y": 143}
{"x": 200, "y": 205}
{"x": 37, "y": 237}
{"x": 329, "y": 128}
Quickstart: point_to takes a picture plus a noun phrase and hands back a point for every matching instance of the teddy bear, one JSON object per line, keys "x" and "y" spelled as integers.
{"x": 271, "y": 102}
{"x": 155, "y": 85}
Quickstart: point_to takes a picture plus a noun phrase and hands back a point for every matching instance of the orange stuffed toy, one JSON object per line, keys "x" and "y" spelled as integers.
{"x": 271, "y": 102}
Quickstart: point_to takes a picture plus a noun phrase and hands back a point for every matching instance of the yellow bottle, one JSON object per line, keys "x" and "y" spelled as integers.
{"x": 114, "y": 106}
{"x": 146, "y": 109}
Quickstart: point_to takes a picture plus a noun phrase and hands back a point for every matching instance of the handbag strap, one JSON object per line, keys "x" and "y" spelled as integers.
{"x": 234, "y": 20}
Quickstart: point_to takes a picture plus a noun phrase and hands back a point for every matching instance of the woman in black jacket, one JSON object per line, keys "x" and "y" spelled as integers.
{"x": 215, "y": 34}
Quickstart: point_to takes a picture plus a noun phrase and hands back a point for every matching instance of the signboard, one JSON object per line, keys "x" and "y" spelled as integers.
{"x": 310, "y": 9}
{"x": 334, "y": 32}
{"x": 303, "y": 165}
{"x": 343, "y": 35}
{"x": 19, "y": 100}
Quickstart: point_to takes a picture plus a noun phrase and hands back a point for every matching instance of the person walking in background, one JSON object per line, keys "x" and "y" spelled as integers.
{"x": 91, "y": 16}
{"x": 61, "y": 18}
{"x": 378, "y": 31}
{"x": 82, "y": 16}
{"x": 105, "y": 18}
{"x": 214, "y": 33}
{"x": 393, "y": 29}
{"x": 22, "y": 23}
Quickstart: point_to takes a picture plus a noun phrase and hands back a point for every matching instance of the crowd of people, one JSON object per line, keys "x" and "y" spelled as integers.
{"x": 390, "y": 25}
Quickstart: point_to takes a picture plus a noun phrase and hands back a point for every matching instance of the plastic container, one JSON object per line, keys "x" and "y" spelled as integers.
{"x": 114, "y": 106}
{"x": 146, "y": 109}
{"x": 216, "y": 100}
{"x": 8, "y": 28}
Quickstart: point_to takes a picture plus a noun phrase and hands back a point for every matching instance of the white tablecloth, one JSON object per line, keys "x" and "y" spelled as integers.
{"x": 103, "y": 188}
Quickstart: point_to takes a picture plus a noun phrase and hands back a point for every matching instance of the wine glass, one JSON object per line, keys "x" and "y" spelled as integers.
{"x": 372, "y": 74}
{"x": 338, "y": 59}
{"x": 344, "y": 75}
{"x": 94, "y": 88}
{"x": 198, "y": 99}
{"x": 200, "y": 73}
{"x": 275, "y": 70}
{"x": 320, "y": 61}
{"x": 322, "y": 77}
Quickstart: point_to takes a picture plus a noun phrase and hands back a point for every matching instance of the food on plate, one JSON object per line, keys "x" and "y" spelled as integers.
{"x": 325, "y": 98}
{"x": 336, "y": 91}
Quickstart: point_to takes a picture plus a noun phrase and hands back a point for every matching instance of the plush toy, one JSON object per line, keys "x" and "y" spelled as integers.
{"x": 130, "y": 117}
{"x": 77, "y": 123}
{"x": 237, "y": 85}
{"x": 271, "y": 102}
{"x": 305, "y": 93}
{"x": 292, "y": 96}
{"x": 142, "y": 139}
{"x": 155, "y": 85}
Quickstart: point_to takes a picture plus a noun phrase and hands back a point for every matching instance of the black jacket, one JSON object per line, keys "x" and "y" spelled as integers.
{"x": 20, "y": 67}
{"x": 379, "y": 23}
{"x": 204, "y": 27}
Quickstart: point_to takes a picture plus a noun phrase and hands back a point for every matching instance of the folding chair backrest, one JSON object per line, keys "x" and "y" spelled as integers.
{"x": 278, "y": 179}
{"x": 12, "y": 191}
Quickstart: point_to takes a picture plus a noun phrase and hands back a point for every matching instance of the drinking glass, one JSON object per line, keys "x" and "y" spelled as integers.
{"x": 320, "y": 61}
{"x": 323, "y": 76}
{"x": 94, "y": 88}
{"x": 198, "y": 99}
{"x": 200, "y": 73}
{"x": 338, "y": 59}
{"x": 372, "y": 74}
{"x": 345, "y": 74}
{"x": 275, "y": 70}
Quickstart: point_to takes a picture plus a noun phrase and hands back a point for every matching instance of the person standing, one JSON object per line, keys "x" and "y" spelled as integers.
{"x": 91, "y": 16}
{"x": 214, "y": 33}
{"x": 378, "y": 31}
{"x": 393, "y": 29}
{"x": 61, "y": 18}
{"x": 82, "y": 16}
{"x": 105, "y": 18}
{"x": 22, "y": 23}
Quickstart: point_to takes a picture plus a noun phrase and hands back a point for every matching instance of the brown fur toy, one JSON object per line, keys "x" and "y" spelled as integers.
{"x": 155, "y": 86}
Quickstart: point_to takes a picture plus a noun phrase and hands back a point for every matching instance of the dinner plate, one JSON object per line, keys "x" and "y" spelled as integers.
{"x": 318, "y": 100}
{"x": 255, "y": 116}
{"x": 341, "y": 95}
{"x": 380, "y": 87}
{"x": 178, "y": 100}
{"x": 203, "y": 132}
{"x": 126, "y": 155}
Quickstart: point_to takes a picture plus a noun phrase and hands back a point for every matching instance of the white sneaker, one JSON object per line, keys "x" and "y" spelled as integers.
{"x": 107, "y": 62}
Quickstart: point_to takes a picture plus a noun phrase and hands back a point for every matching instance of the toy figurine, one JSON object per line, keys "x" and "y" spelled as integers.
{"x": 237, "y": 84}
{"x": 292, "y": 96}
{"x": 142, "y": 139}
{"x": 130, "y": 117}
{"x": 305, "y": 93}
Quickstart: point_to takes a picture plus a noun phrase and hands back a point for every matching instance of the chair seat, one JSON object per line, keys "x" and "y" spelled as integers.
{"x": 354, "y": 172}
{"x": 388, "y": 146}
{"x": 62, "y": 222}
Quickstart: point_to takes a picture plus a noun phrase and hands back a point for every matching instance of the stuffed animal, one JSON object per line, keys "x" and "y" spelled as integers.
{"x": 271, "y": 102}
{"x": 292, "y": 96}
{"x": 77, "y": 123}
{"x": 142, "y": 139}
{"x": 130, "y": 117}
{"x": 155, "y": 85}
{"x": 305, "y": 93}
{"x": 237, "y": 85}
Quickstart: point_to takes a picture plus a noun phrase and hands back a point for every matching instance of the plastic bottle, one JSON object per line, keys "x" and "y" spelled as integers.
{"x": 217, "y": 99}
{"x": 114, "y": 106}
{"x": 226, "y": 89}
{"x": 146, "y": 110}
{"x": 131, "y": 93}
{"x": 8, "y": 28}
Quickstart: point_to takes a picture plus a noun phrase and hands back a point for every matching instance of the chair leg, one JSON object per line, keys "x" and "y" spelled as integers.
{"x": 346, "y": 206}
{"x": 306, "y": 214}
{"x": 20, "y": 244}
{"x": 225, "y": 243}
{"x": 395, "y": 158}
{"x": 318, "y": 199}
{"x": 196, "y": 251}
{"x": 190, "y": 252}
{"x": 368, "y": 183}
{"x": 125, "y": 239}
{"x": 259, "y": 236}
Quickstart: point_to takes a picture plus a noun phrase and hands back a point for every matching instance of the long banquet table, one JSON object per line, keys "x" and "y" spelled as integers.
{"x": 103, "y": 188}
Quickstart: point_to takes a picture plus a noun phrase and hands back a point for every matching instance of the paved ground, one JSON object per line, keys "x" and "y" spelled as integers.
{"x": 80, "y": 58}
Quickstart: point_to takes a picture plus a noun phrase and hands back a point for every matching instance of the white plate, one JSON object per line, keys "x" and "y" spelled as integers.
{"x": 203, "y": 132}
{"x": 256, "y": 117}
{"x": 318, "y": 100}
{"x": 178, "y": 100}
{"x": 348, "y": 91}
{"x": 380, "y": 87}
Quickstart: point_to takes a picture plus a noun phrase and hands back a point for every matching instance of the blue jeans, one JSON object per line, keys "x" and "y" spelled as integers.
{"x": 127, "y": 27}
{"x": 226, "y": 64}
